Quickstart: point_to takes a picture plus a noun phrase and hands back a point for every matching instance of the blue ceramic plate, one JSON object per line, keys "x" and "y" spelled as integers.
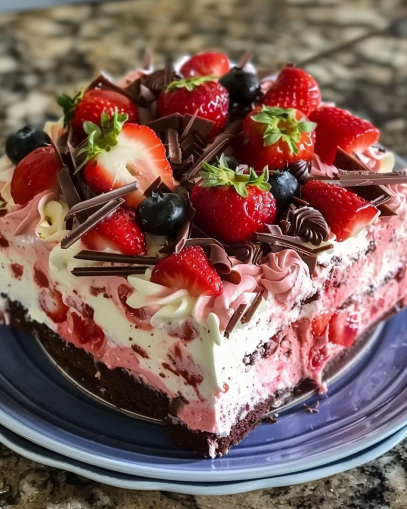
{"x": 38, "y": 453}
{"x": 364, "y": 406}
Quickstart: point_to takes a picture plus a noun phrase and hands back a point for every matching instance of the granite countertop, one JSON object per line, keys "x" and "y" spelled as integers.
{"x": 60, "y": 49}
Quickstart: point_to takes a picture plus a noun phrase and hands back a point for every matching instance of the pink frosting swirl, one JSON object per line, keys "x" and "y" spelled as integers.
{"x": 372, "y": 157}
{"x": 285, "y": 275}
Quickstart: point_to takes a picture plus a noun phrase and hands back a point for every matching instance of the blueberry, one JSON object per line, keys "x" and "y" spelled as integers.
{"x": 23, "y": 142}
{"x": 162, "y": 213}
{"x": 242, "y": 86}
{"x": 283, "y": 187}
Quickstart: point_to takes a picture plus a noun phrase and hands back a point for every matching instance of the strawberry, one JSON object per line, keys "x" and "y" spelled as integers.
{"x": 345, "y": 212}
{"x": 206, "y": 64}
{"x": 119, "y": 232}
{"x": 120, "y": 154}
{"x": 85, "y": 331}
{"x": 294, "y": 88}
{"x": 232, "y": 207}
{"x": 89, "y": 106}
{"x": 203, "y": 94}
{"x": 53, "y": 306}
{"x": 34, "y": 174}
{"x": 275, "y": 137}
{"x": 320, "y": 322}
{"x": 339, "y": 128}
{"x": 343, "y": 328}
{"x": 189, "y": 270}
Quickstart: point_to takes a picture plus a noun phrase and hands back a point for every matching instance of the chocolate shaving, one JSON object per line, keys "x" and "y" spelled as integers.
{"x": 145, "y": 116}
{"x": 219, "y": 259}
{"x": 185, "y": 167}
{"x": 182, "y": 236}
{"x": 253, "y": 307}
{"x": 299, "y": 201}
{"x": 157, "y": 186}
{"x": 69, "y": 190}
{"x": 103, "y": 198}
{"x": 188, "y": 127}
{"x": 233, "y": 277}
{"x": 356, "y": 179}
{"x": 244, "y": 59}
{"x": 203, "y": 242}
{"x": 281, "y": 242}
{"x": 91, "y": 222}
{"x": 200, "y": 124}
{"x": 107, "y": 271}
{"x": 155, "y": 81}
{"x": 101, "y": 256}
{"x": 103, "y": 81}
{"x": 234, "y": 127}
{"x": 234, "y": 320}
{"x": 345, "y": 161}
{"x": 311, "y": 261}
{"x": 57, "y": 153}
{"x": 160, "y": 125}
{"x": 174, "y": 151}
{"x": 210, "y": 152}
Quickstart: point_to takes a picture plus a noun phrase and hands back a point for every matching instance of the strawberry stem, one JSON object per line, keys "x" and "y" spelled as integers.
{"x": 68, "y": 105}
{"x": 189, "y": 83}
{"x": 282, "y": 125}
{"x": 222, "y": 175}
{"x": 101, "y": 139}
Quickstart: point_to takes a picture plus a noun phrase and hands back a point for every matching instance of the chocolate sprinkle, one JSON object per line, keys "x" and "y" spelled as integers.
{"x": 101, "y": 256}
{"x": 91, "y": 222}
{"x": 103, "y": 198}
{"x": 234, "y": 320}
{"x": 107, "y": 271}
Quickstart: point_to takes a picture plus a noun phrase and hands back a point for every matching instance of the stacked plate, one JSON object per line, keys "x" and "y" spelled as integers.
{"x": 48, "y": 419}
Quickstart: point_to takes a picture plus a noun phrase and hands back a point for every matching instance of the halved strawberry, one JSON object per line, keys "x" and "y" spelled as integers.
{"x": 345, "y": 212}
{"x": 343, "y": 328}
{"x": 294, "y": 88}
{"x": 320, "y": 322}
{"x": 189, "y": 270}
{"x": 53, "y": 306}
{"x": 339, "y": 128}
{"x": 205, "y": 64}
{"x": 34, "y": 174}
{"x": 120, "y": 154}
{"x": 119, "y": 232}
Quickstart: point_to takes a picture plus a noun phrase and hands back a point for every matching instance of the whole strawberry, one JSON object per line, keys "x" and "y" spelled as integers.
{"x": 89, "y": 106}
{"x": 119, "y": 232}
{"x": 345, "y": 212}
{"x": 188, "y": 270}
{"x": 206, "y": 64}
{"x": 339, "y": 128}
{"x": 294, "y": 88}
{"x": 275, "y": 137}
{"x": 120, "y": 153}
{"x": 203, "y": 94}
{"x": 36, "y": 173}
{"x": 232, "y": 207}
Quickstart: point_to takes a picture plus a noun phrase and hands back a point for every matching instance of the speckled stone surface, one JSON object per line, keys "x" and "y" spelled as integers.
{"x": 60, "y": 49}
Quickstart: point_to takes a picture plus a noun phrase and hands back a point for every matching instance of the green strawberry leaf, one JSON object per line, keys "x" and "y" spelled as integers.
{"x": 222, "y": 175}
{"x": 100, "y": 139}
{"x": 189, "y": 83}
{"x": 281, "y": 124}
{"x": 68, "y": 105}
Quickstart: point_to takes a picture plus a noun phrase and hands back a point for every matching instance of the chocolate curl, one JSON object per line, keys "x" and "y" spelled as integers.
{"x": 103, "y": 198}
{"x": 243, "y": 251}
{"x": 90, "y": 223}
{"x": 237, "y": 315}
{"x": 216, "y": 254}
{"x": 233, "y": 277}
{"x": 254, "y": 306}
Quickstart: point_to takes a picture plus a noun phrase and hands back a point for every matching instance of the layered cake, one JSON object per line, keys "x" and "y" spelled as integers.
{"x": 199, "y": 240}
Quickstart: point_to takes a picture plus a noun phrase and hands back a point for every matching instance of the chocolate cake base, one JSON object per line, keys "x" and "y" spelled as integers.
{"x": 124, "y": 391}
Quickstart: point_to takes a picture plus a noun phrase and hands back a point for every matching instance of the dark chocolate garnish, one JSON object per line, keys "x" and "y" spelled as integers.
{"x": 233, "y": 277}
{"x": 182, "y": 236}
{"x": 103, "y": 198}
{"x": 280, "y": 242}
{"x": 253, "y": 307}
{"x": 103, "y": 81}
{"x": 91, "y": 222}
{"x": 203, "y": 125}
{"x": 101, "y": 256}
{"x": 300, "y": 169}
{"x": 244, "y": 59}
{"x": 107, "y": 271}
{"x": 234, "y": 320}
{"x": 356, "y": 179}
{"x": 160, "y": 125}
{"x": 174, "y": 150}
{"x": 68, "y": 189}
{"x": 157, "y": 186}
{"x": 309, "y": 224}
{"x": 345, "y": 161}
{"x": 243, "y": 251}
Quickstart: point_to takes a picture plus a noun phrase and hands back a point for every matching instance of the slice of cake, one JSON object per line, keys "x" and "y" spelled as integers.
{"x": 199, "y": 242}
